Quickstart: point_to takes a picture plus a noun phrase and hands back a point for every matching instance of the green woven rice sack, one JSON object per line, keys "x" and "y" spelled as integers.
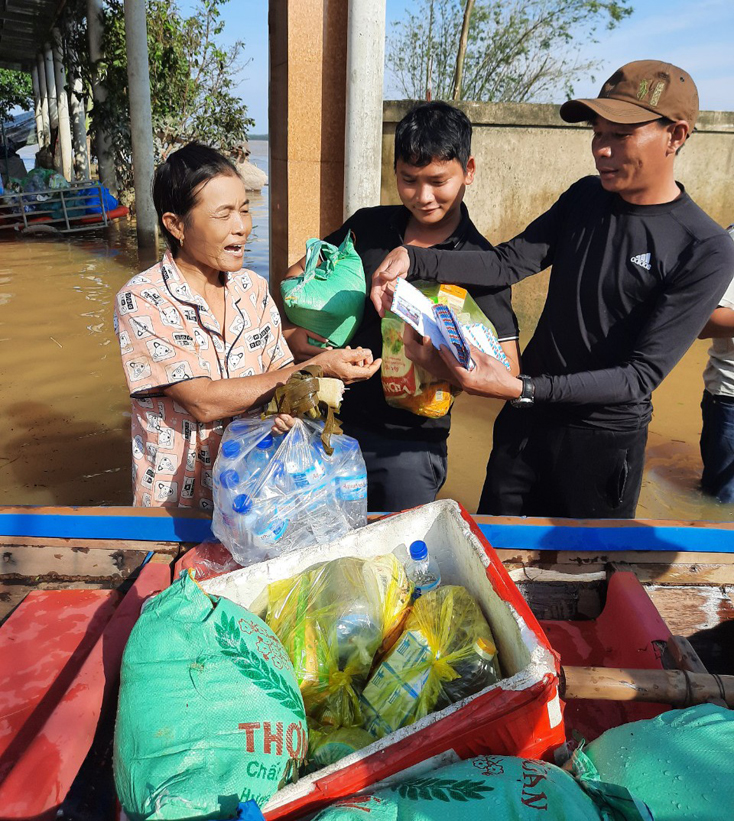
{"x": 209, "y": 713}
{"x": 681, "y": 763}
{"x": 488, "y": 788}
{"x": 328, "y": 298}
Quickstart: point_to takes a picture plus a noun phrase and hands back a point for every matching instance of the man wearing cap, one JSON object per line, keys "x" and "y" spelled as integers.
{"x": 637, "y": 268}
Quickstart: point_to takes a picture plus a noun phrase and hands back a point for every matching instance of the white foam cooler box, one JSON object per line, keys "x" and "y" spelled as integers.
{"x": 520, "y": 715}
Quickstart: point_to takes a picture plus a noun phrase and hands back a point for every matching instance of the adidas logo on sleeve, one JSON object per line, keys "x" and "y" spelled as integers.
{"x": 643, "y": 260}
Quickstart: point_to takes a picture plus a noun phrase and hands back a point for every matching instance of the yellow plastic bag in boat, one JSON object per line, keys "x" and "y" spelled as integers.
{"x": 332, "y": 619}
{"x": 446, "y": 653}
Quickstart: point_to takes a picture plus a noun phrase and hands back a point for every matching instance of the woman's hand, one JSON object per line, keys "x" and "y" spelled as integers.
{"x": 297, "y": 339}
{"x": 282, "y": 423}
{"x": 348, "y": 364}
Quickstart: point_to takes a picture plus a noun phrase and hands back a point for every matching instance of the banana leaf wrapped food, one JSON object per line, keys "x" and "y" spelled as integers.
{"x": 332, "y": 620}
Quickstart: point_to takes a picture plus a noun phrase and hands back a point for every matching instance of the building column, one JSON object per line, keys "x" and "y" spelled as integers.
{"x": 363, "y": 129}
{"x": 141, "y": 121}
{"x": 62, "y": 105}
{"x": 105, "y": 160}
{"x": 79, "y": 128}
{"x": 53, "y": 110}
{"x": 37, "y": 106}
{"x": 45, "y": 116}
{"x": 308, "y": 46}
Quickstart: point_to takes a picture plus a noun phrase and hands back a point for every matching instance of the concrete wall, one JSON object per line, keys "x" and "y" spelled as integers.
{"x": 526, "y": 156}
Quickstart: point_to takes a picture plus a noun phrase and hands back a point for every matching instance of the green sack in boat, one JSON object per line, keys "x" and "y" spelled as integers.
{"x": 488, "y": 788}
{"x": 679, "y": 763}
{"x": 209, "y": 712}
{"x": 328, "y": 297}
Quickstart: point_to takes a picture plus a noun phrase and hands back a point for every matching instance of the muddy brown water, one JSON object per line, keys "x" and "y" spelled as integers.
{"x": 64, "y": 411}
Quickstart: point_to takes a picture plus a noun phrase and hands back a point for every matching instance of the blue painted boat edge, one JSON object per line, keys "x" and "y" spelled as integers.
{"x": 112, "y": 526}
{"x": 609, "y": 539}
{"x": 602, "y": 538}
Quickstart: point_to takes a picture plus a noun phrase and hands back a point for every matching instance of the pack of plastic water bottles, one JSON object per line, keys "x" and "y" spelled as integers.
{"x": 275, "y": 494}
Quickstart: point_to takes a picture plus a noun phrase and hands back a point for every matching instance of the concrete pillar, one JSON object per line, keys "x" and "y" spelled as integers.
{"x": 37, "y": 106}
{"x": 45, "y": 116}
{"x": 308, "y": 48}
{"x": 79, "y": 128}
{"x": 141, "y": 121}
{"x": 53, "y": 110}
{"x": 363, "y": 128}
{"x": 105, "y": 161}
{"x": 62, "y": 105}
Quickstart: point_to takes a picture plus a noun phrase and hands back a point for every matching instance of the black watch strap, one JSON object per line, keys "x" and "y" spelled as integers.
{"x": 527, "y": 395}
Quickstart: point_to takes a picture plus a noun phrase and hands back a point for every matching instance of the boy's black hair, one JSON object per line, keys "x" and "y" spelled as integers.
{"x": 176, "y": 182}
{"x": 434, "y": 131}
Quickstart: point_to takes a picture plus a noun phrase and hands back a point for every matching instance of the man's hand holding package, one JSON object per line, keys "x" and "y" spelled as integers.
{"x": 489, "y": 377}
{"x": 396, "y": 264}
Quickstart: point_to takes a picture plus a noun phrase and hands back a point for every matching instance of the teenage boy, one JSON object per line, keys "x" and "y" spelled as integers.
{"x": 406, "y": 454}
{"x": 637, "y": 268}
{"x": 717, "y": 405}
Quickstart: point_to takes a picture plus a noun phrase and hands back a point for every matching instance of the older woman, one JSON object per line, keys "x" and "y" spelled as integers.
{"x": 200, "y": 336}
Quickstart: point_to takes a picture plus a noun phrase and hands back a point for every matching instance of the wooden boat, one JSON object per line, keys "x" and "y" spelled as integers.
{"x": 609, "y": 594}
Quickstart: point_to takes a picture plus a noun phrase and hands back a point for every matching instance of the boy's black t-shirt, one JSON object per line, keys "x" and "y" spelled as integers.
{"x": 630, "y": 288}
{"x": 377, "y": 231}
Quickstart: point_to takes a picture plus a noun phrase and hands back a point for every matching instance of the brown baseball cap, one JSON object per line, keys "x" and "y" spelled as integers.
{"x": 639, "y": 92}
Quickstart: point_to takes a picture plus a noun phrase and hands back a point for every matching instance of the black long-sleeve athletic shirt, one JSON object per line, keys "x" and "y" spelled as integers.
{"x": 630, "y": 288}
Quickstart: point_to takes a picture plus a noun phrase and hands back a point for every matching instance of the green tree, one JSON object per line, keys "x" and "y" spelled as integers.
{"x": 15, "y": 90}
{"x": 516, "y": 50}
{"x": 192, "y": 81}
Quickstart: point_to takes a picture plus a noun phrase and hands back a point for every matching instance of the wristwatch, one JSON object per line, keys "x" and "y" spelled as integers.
{"x": 527, "y": 395}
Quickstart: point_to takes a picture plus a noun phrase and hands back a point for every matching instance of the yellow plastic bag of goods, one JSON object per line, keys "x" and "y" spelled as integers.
{"x": 332, "y": 619}
{"x": 446, "y": 653}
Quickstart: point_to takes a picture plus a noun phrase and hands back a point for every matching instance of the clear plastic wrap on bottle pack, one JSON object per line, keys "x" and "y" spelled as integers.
{"x": 277, "y": 494}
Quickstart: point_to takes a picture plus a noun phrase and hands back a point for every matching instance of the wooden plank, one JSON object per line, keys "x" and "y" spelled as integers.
{"x": 648, "y": 566}
{"x": 705, "y": 616}
{"x": 12, "y": 592}
{"x": 171, "y": 548}
{"x": 73, "y": 564}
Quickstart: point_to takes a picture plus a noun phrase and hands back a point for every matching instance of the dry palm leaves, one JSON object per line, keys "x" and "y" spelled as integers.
{"x": 308, "y": 394}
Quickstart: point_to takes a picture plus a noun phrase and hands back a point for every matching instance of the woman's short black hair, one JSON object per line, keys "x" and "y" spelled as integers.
{"x": 177, "y": 180}
{"x": 434, "y": 131}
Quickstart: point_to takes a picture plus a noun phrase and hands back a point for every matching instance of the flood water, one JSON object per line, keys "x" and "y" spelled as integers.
{"x": 64, "y": 410}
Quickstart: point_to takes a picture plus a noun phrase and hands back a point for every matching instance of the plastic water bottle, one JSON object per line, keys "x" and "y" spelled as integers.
{"x": 259, "y": 458}
{"x": 478, "y": 671}
{"x": 262, "y": 522}
{"x": 351, "y": 481}
{"x": 422, "y": 570}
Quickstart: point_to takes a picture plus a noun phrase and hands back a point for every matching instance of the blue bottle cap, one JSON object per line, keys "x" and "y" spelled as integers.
{"x": 418, "y": 550}
{"x": 229, "y": 478}
{"x": 266, "y": 443}
{"x": 242, "y": 503}
{"x": 231, "y": 448}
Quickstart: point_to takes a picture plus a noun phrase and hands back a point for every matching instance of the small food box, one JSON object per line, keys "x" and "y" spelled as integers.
{"x": 520, "y": 715}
